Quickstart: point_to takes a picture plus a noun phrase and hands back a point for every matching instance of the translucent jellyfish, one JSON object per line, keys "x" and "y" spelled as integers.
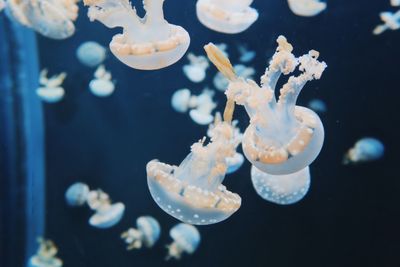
{"x": 391, "y": 21}
{"x": 196, "y": 70}
{"x": 281, "y": 189}
{"x": 227, "y": 16}
{"x": 50, "y": 90}
{"x": 182, "y": 100}
{"x": 145, "y": 43}
{"x": 46, "y": 255}
{"x": 91, "y": 54}
{"x": 186, "y": 239}
{"x": 282, "y": 138}
{"x": 245, "y": 54}
{"x": 307, "y": 8}
{"x": 395, "y": 2}
{"x": 366, "y": 149}
{"x": 106, "y": 214}
{"x": 317, "y": 105}
{"x": 193, "y": 192}
{"x": 221, "y": 83}
{"x": 76, "y": 194}
{"x": 147, "y": 233}
{"x": 101, "y": 85}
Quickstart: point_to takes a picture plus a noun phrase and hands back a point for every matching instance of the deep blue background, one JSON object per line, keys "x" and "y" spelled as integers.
{"x": 350, "y": 216}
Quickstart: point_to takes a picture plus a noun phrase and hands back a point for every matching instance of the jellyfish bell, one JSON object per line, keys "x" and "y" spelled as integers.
{"x": 91, "y": 53}
{"x": 395, "y": 2}
{"x": 196, "y": 70}
{"x": 366, "y": 149}
{"x": 50, "y": 90}
{"x": 46, "y": 255}
{"x": 226, "y": 16}
{"x": 317, "y": 105}
{"x": 147, "y": 233}
{"x": 76, "y": 194}
{"x": 186, "y": 239}
{"x": 307, "y": 8}
{"x": 180, "y": 100}
{"x": 101, "y": 85}
{"x": 146, "y": 43}
{"x": 202, "y": 107}
{"x": 245, "y": 54}
{"x": 201, "y": 118}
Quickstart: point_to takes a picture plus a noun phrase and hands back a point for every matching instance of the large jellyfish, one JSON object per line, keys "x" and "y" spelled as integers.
{"x": 196, "y": 70}
{"x": 366, "y": 149}
{"x": 391, "y": 21}
{"x": 306, "y": 8}
{"x": 101, "y": 85}
{"x": 186, "y": 239}
{"x": 282, "y": 138}
{"x": 46, "y": 255}
{"x": 50, "y": 90}
{"x": 91, "y": 54}
{"x": 227, "y": 16}
{"x": 147, "y": 233}
{"x": 221, "y": 83}
{"x": 145, "y": 43}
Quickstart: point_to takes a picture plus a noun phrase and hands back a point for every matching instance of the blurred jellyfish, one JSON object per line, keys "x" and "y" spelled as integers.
{"x": 221, "y": 83}
{"x": 282, "y": 138}
{"x": 147, "y": 233}
{"x": 196, "y": 70}
{"x": 245, "y": 54}
{"x": 145, "y": 43}
{"x": 101, "y": 85}
{"x": 395, "y": 2}
{"x": 186, "y": 239}
{"x": 224, "y": 48}
{"x": 76, "y": 194}
{"x": 50, "y": 90}
{"x": 91, "y": 54}
{"x": 307, "y": 8}
{"x": 281, "y": 189}
{"x": 227, "y": 16}
{"x": 46, "y": 255}
{"x": 391, "y": 21}
{"x": 317, "y": 105}
{"x": 366, "y": 149}
{"x": 182, "y": 100}
{"x": 2, "y": 5}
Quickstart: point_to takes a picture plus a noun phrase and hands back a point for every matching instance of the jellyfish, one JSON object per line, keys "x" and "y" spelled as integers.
{"x": 101, "y": 85}
{"x": 91, "y": 54}
{"x": 221, "y": 83}
{"x": 76, "y": 194}
{"x": 147, "y": 233}
{"x": 46, "y": 255}
{"x": 317, "y": 105}
{"x": 2, "y": 5}
{"x": 226, "y": 16}
{"x": 245, "y": 54}
{"x": 366, "y": 149}
{"x": 182, "y": 100}
{"x": 196, "y": 70}
{"x": 306, "y": 8}
{"x": 50, "y": 90}
{"x": 391, "y": 21}
{"x": 145, "y": 43}
{"x": 282, "y": 138}
{"x": 395, "y": 2}
{"x": 186, "y": 239}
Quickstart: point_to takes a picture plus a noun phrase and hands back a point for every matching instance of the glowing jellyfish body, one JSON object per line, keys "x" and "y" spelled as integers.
{"x": 76, "y": 194}
{"x": 317, "y": 105}
{"x": 147, "y": 233}
{"x": 46, "y": 255}
{"x": 186, "y": 239}
{"x": 391, "y": 21}
{"x": 146, "y": 43}
{"x": 282, "y": 138}
{"x": 196, "y": 70}
{"x": 395, "y": 2}
{"x": 281, "y": 189}
{"x": 226, "y": 16}
{"x": 366, "y": 149}
{"x": 307, "y": 8}
{"x": 50, "y": 90}
{"x": 245, "y": 54}
{"x": 91, "y": 54}
{"x": 2, "y": 5}
{"x": 221, "y": 83}
{"x": 101, "y": 85}
{"x": 193, "y": 192}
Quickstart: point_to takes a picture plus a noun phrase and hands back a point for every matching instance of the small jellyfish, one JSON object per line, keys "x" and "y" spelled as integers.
{"x": 50, "y": 90}
{"x": 226, "y": 16}
{"x": 307, "y": 8}
{"x": 147, "y": 233}
{"x": 366, "y": 149}
{"x": 181, "y": 100}
{"x": 106, "y": 214}
{"x": 281, "y": 189}
{"x": 146, "y": 43}
{"x": 317, "y": 105}
{"x": 46, "y": 255}
{"x": 395, "y": 2}
{"x": 391, "y": 21}
{"x": 76, "y": 194}
{"x": 221, "y": 83}
{"x": 186, "y": 239}
{"x": 196, "y": 70}
{"x": 245, "y": 54}
{"x": 101, "y": 85}
{"x": 91, "y": 54}
{"x": 282, "y": 138}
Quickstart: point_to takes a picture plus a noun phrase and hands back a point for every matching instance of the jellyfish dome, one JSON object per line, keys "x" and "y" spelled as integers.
{"x": 245, "y": 54}
{"x": 186, "y": 239}
{"x": 226, "y": 16}
{"x": 46, "y": 255}
{"x": 50, "y": 90}
{"x": 147, "y": 233}
{"x": 76, "y": 194}
{"x": 317, "y": 105}
{"x": 196, "y": 70}
{"x": 101, "y": 85}
{"x": 307, "y": 8}
{"x": 146, "y": 43}
{"x": 180, "y": 100}
{"x": 366, "y": 149}
{"x": 395, "y": 2}
{"x": 281, "y": 189}
{"x": 91, "y": 54}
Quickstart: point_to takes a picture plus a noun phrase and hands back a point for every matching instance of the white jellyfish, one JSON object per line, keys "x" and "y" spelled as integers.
{"x": 317, "y": 105}
{"x": 281, "y": 189}
{"x": 145, "y": 43}
{"x": 395, "y": 2}
{"x": 307, "y": 8}
{"x": 366, "y": 149}
{"x": 50, "y": 90}
{"x": 182, "y": 100}
{"x": 221, "y": 83}
{"x": 245, "y": 54}
{"x": 46, "y": 255}
{"x": 101, "y": 85}
{"x": 186, "y": 239}
{"x": 196, "y": 70}
{"x": 391, "y": 21}
{"x": 147, "y": 233}
{"x": 76, "y": 194}
{"x": 226, "y": 16}
{"x": 282, "y": 138}
{"x": 91, "y": 54}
